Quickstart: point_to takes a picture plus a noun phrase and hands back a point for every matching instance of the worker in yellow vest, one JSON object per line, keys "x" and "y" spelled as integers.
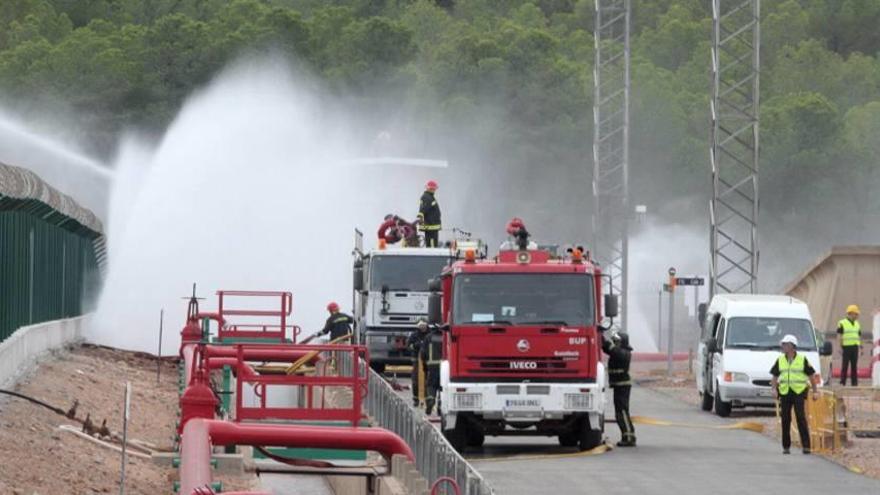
{"x": 792, "y": 375}
{"x": 850, "y": 343}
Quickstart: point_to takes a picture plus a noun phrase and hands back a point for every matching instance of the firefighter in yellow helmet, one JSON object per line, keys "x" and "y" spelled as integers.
{"x": 850, "y": 343}
{"x": 792, "y": 376}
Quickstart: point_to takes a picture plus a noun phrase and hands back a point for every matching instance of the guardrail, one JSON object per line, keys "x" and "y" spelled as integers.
{"x": 435, "y": 458}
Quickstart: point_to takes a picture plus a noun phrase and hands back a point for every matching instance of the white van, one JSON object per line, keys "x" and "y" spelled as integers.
{"x": 740, "y": 342}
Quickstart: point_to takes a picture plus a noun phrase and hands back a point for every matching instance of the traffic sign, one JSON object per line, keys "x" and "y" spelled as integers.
{"x": 694, "y": 281}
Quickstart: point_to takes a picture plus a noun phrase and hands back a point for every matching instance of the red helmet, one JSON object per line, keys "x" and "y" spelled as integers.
{"x": 431, "y": 185}
{"x": 332, "y": 307}
{"x": 514, "y": 225}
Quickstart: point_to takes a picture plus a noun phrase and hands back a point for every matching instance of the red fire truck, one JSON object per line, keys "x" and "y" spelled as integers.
{"x": 521, "y": 347}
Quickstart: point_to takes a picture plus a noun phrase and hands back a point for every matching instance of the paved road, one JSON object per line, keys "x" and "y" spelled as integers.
{"x": 293, "y": 484}
{"x": 668, "y": 461}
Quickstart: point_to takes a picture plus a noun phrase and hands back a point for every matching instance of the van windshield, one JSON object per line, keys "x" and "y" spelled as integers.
{"x": 765, "y": 333}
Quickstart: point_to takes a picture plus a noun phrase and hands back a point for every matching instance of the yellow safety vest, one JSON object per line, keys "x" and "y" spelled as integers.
{"x": 791, "y": 375}
{"x": 851, "y": 331}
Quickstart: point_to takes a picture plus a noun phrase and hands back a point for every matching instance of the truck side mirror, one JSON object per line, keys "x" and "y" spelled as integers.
{"x": 826, "y": 349}
{"x": 611, "y": 303}
{"x": 712, "y": 345}
{"x": 435, "y": 284}
{"x": 358, "y": 280}
{"x": 701, "y": 315}
{"x": 435, "y": 316}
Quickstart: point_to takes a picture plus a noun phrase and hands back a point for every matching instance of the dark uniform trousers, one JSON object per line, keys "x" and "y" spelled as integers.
{"x": 786, "y": 403}
{"x": 850, "y": 361}
{"x": 621, "y": 411}
{"x": 432, "y": 237}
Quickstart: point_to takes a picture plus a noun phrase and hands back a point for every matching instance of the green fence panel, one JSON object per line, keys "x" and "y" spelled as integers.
{"x": 48, "y": 265}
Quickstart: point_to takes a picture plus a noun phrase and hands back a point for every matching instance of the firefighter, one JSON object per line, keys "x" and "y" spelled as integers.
{"x": 850, "y": 332}
{"x": 619, "y": 356}
{"x": 415, "y": 343}
{"x": 429, "y": 215}
{"x": 792, "y": 375}
{"x": 338, "y": 324}
{"x": 431, "y": 353}
{"x": 388, "y": 230}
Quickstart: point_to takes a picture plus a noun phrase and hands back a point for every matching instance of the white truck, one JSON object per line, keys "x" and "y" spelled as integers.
{"x": 391, "y": 296}
{"x": 740, "y": 342}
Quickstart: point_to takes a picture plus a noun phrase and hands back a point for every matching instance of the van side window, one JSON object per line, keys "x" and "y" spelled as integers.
{"x": 719, "y": 333}
{"x": 708, "y": 329}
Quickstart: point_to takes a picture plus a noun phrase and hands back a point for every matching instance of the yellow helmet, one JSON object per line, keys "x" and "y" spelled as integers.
{"x": 852, "y": 308}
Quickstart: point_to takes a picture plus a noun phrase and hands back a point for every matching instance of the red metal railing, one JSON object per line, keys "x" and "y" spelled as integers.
{"x": 270, "y": 330}
{"x": 312, "y": 409}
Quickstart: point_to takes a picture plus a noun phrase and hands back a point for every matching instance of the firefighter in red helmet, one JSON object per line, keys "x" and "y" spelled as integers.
{"x": 429, "y": 215}
{"x": 338, "y": 324}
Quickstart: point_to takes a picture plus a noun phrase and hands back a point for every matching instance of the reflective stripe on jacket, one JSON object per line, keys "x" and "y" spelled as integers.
{"x": 429, "y": 212}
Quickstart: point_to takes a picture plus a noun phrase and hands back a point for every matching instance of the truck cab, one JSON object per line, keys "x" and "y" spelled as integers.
{"x": 740, "y": 342}
{"x": 391, "y": 295}
{"x": 521, "y": 348}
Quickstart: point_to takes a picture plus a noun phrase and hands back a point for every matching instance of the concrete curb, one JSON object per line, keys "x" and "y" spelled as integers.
{"x": 23, "y": 348}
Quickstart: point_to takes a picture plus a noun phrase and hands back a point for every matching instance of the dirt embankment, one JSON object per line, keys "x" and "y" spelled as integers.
{"x": 39, "y": 458}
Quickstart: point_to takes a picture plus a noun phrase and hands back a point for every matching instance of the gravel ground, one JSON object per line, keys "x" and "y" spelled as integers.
{"x": 38, "y": 458}
{"x": 861, "y": 455}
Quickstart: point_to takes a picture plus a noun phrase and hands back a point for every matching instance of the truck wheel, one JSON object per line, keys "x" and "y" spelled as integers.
{"x": 706, "y": 403}
{"x": 475, "y": 438}
{"x": 569, "y": 439}
{"x": 457, "y": 437}
{"x": 721, "y": 408}
{"x": 588, "y": 438}
{"x": 377, "y": 367}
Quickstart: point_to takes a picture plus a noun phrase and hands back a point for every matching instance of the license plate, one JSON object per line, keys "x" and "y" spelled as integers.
{"x": 765, "y": 393}
{"x": 519, "y": 403}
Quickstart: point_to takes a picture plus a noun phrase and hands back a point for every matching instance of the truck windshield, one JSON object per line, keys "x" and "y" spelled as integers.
{"x": 521, "y": 299}
{"x": 765, "y": 333}
{"x": 405, "y": 273}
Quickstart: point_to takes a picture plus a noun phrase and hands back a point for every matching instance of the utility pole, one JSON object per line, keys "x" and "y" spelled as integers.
{"x": 611, "y": 85}
{"x": 670, "y": 339}
{"x": 733, "y": 212}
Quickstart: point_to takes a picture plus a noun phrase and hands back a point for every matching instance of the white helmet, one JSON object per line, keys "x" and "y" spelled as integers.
{"x": 790, "y": 339}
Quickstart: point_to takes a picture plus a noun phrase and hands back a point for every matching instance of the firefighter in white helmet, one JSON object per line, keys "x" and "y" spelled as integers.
{"x": 792, "y": 376}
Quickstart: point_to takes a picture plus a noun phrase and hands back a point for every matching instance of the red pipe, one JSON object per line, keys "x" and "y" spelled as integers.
{"x": 200, "y": 434}
{"x": 195, "y": 456}
{"x": 187, "y": 351}
{"x": 228, "y": 355}
{"x": 246, "y": 370}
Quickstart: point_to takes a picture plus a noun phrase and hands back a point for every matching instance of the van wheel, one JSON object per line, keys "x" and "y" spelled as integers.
{"x": 706, "y": 403}
{"x": 721, "y": 408}
{"x": 588, "y": 438}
